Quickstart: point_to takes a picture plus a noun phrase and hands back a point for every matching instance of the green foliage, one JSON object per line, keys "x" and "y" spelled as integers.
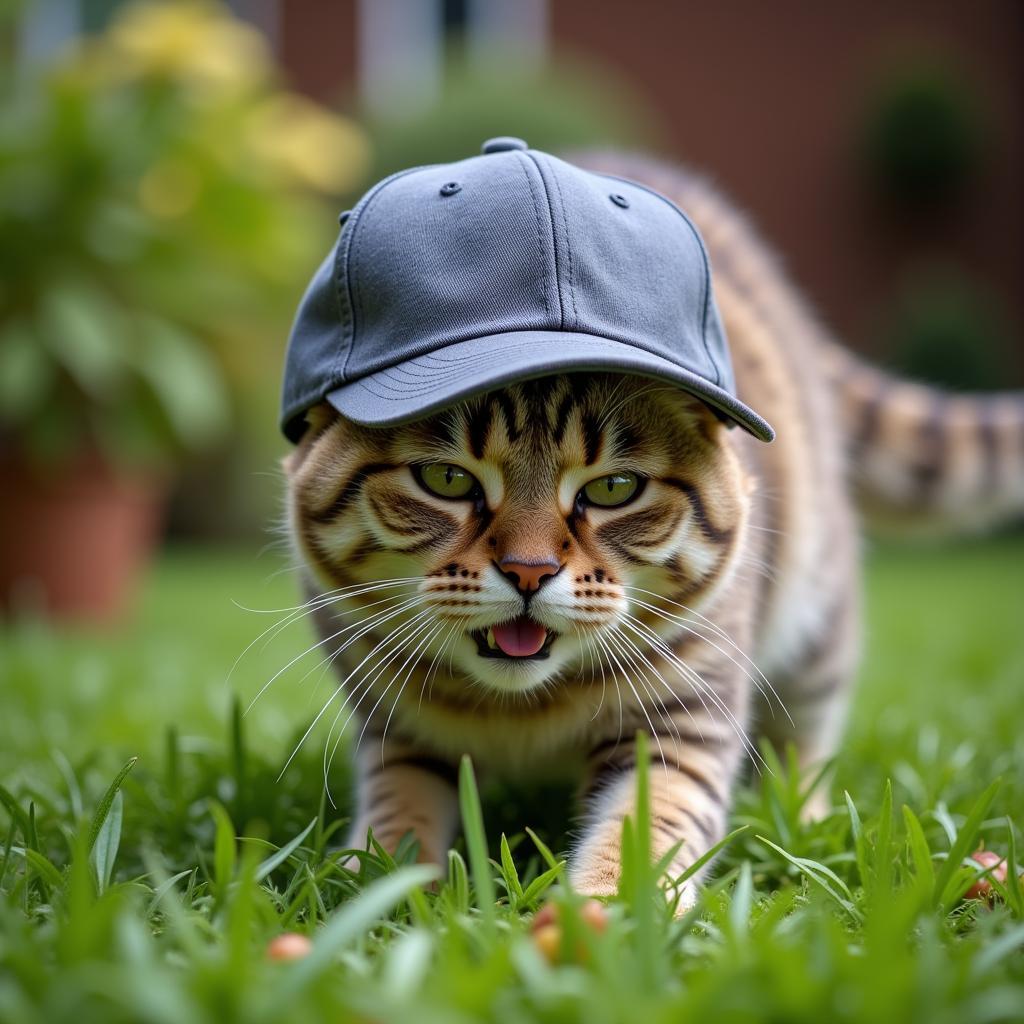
{"x": 855, "y": 918}
{"x": 945, "y": 329}
{"x": 160, "y": 208}
{"x": 924, "y": 135}
{"x": 573, "y": 104}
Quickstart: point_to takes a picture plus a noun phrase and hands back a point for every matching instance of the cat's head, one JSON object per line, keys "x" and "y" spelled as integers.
{"x": 529, "y": 525}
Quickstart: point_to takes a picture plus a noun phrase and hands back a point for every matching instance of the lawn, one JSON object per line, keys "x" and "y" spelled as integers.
{"x": 143, "y": 906}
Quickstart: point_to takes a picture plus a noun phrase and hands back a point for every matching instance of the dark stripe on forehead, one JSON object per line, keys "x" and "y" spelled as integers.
{"x": 478, "y": 426}
{"x": 508, "y": 410}
{"x": 439, "y": 428}
{"x": 350, "y": 490}
{"x": 538, "y": 393}
{"x": 576, "y": 389}
{"x": 592, "y": 438}
{"x": 712, "y": 532}
{"x": 565, "y": 408}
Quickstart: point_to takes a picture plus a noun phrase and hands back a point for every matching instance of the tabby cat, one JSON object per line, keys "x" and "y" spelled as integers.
{"x": 534, "y": 575}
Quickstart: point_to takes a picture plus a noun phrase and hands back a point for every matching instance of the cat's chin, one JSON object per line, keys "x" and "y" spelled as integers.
{"x": 514, "y": 675}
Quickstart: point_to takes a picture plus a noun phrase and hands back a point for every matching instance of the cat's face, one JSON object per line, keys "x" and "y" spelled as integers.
{"x": 531, "y": 523}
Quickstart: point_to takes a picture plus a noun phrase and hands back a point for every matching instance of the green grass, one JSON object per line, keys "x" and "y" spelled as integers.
{"x": 125, "y": 895}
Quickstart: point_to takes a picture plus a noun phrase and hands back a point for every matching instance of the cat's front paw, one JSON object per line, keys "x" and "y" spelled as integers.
{"x": 593, "y": 879}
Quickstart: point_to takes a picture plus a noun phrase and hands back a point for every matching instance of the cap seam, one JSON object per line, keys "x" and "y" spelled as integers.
{"x": 344, "y": 306}
{"x": 351, "y": 257}
{"x": 565, "y": 236}
{"x": 540, "y": 235}
{"x": 527, "y": 155}
{"x": 703, "y": 254}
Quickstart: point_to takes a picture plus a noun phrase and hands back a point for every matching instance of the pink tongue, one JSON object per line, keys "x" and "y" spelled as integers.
{"x": 521, "y": 637}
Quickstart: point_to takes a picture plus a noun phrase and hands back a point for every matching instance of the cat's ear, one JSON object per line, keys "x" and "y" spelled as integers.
{"x": 710, "y": 423}
{"x": 317, "y": 419}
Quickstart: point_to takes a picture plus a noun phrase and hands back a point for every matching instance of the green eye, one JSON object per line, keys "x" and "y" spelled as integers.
{"x": 612, "y": 490}
{"x": 446, "y": 480}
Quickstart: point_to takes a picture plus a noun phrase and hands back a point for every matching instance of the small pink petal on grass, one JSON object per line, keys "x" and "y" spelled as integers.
{"x": 288, "y": 946}
{"x": 982, "y": 888}
{"x": 546, "y": 930}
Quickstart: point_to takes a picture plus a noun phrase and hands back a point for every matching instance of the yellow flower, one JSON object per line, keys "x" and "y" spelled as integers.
{"x": 307, "y": 144}
{"x": 191, "y": 41}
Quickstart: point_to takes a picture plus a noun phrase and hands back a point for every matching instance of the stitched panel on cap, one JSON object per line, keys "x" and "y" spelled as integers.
{"x": 427, "y": 269}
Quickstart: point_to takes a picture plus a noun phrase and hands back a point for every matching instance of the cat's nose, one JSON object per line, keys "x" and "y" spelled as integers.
{"x": 527, "y": 577}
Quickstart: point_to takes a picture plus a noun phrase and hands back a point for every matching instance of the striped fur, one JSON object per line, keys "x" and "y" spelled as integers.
{"x": 734, "y": 554}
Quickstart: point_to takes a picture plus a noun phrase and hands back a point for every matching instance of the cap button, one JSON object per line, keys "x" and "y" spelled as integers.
{"x": 502, "y": 144}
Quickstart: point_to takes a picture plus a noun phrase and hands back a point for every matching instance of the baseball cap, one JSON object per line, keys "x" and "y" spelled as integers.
{"x": 451, "y": 280}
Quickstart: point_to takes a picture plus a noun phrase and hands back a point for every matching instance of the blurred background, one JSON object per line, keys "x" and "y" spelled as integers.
{"x": 171, "y": 174}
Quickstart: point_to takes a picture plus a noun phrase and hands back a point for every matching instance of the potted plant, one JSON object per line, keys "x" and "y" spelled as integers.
{"x": 161, "y": 201}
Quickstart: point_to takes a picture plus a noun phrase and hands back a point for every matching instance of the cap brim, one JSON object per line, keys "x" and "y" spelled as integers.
{"x": 434, "y": 381}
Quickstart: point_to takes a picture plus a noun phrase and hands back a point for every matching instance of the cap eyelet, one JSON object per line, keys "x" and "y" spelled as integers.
{"x": 343, "y": 216}
{"x": 619, "y": 200}
{"x": 449, "y": 188}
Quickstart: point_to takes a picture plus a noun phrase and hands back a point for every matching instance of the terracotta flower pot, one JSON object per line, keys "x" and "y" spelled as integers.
{"x": 74, "y": 537}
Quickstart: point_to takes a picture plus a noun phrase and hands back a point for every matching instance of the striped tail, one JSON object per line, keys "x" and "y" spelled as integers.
{"x": 929, "y": 461}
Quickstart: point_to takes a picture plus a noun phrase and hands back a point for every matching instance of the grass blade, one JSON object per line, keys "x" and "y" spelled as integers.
{"x": 510, "y": 874}
{"x": 275, "y": 860}
{"x": 376, "y": 901}
{"x": 1014, "y": 883}
{"x": 458, "y": 882}
{"x": 17, "y": 814}
{"x": 920, "y": 853}
{"x": 550, "y": 859}
{"x": 881, "y": 872}
{"x": 823, "y": 877}
{"x": 108, "y": 798}
{"x": 42, "y": 867}
{"x": 540, "y": 885}
{"x": 476, "y": 840}
{"x": 860, "y": 843}
{"x": 715, "y": 850}
{"x": 104, "y": 849}
{"x": 224, "y": 852}
{"x": 946, "y": 884}
{"x": 998, "y": 949}
{"x": 742, "y": 902}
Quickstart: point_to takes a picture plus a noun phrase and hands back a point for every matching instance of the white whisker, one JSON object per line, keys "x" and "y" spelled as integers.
{"x": 706, "y": 623}
{"x": 699, "y": 685}
{"x": 400, "y": 638}
{"x": 387, "y": 614}
{"x": 627, "y": 640}
{"x": 339, "y": 689}
{"x": 604, "y": 642}
{"x": 301, "y": 611}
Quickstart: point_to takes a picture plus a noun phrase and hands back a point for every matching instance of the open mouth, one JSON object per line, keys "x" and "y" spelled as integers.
{"x": 521, "y": 639}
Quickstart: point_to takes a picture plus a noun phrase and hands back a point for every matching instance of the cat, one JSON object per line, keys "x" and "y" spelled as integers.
{"x": 536, "y": 574}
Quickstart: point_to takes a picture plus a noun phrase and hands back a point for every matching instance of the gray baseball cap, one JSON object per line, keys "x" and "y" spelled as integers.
{"x": 455, "y": 279}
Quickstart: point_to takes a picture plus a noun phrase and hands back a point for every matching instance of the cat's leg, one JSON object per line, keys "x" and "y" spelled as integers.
{"x": 816, "y": 691}
{"x": 401, "y": 789}
{"x": 689, "y": 801}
